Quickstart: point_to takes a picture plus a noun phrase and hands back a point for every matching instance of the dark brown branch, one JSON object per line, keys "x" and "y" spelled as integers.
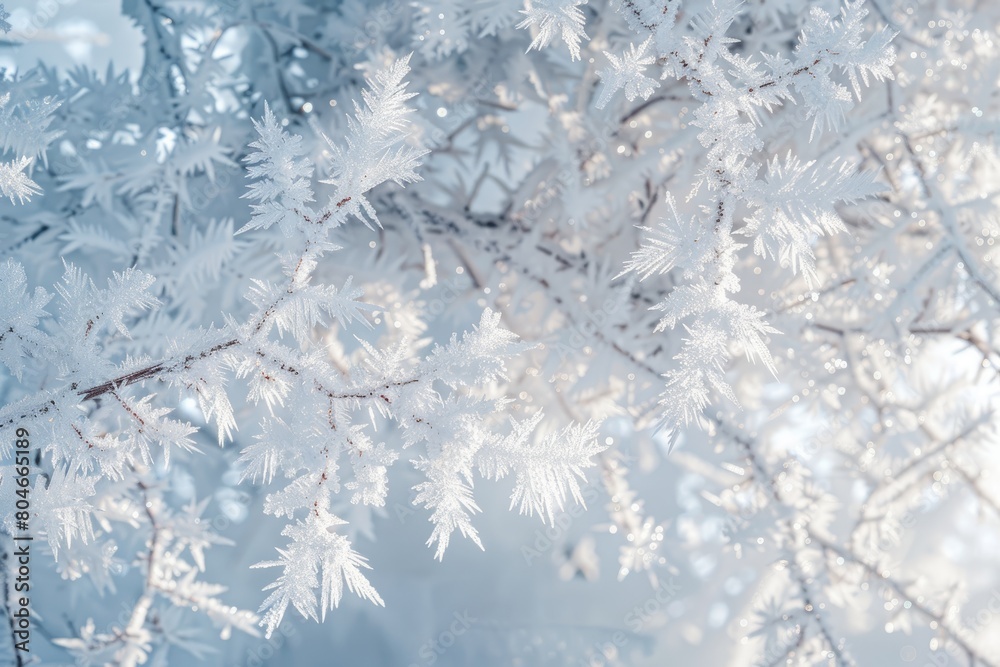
{"x": 152, "y": 371}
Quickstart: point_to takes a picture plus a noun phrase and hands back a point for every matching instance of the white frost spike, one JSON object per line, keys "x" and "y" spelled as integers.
{"x": 86, "y": 310}
{"x": 282, "y": 176}
{"x": 450, "y": 497}
{"x": 674, "y": 242}
{"x": 626, "y": 72}
{"x": 24, "y": 127}
{"x": 549, "y": 472}
{"x": 375, "y": 150}
{"x": 14, "y": 183}
{"x": 832, "y": 43}
{"x": 317, "y": 557}
{"x": 478, "y": 358}
{"x": 371, "y": 479}
{"x": 310, "y": 306}
{"x": 795, "y": 203}
{"x": 60, "y": 510}
{"x": 553, "y": 18}
{"x": 20, "y": 314}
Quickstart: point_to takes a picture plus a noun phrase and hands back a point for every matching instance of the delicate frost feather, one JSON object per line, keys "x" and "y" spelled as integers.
{"x": 20, "y": 314}
{"x": 795, "y": 203}
{"x": 371, "y": 473}
{"x": 24, "y": 126}
{"x": 704, "y": 353}
{"x": 60, "y": 509}
{"x": 626, "y": 72}
{"x": 14, "y": 183}
{"x": 282, "y": 176}
{"x": 310, "y": 306}
{"x": 826, "y": 43}
{"x": 478, "y": 358}
{"x": 548, "y": 473}
{"x": 450, "y": 497}
{"x": 318, "y": 557}
{"x": 374, "y": 151}
{"x": 553, "y": 18}
{"x": 674, "y": 242}
{"x": 87, "y": 310}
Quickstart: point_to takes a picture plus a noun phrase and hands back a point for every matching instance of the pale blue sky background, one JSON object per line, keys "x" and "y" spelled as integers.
{"x": 70, "y": 32}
